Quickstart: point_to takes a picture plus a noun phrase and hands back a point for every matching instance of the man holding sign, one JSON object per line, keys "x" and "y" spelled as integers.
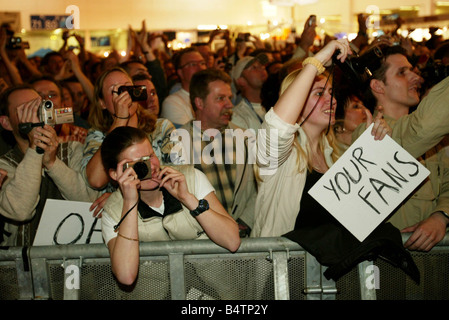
{"x": 395, "y": 86}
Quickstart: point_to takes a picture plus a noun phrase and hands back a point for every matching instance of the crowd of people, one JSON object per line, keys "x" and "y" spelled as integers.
{"x": 209, "y": 188}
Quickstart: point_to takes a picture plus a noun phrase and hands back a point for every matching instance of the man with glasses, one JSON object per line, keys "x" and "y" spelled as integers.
{"x": 49, "y": 89}
{"x": 177, "y": 107}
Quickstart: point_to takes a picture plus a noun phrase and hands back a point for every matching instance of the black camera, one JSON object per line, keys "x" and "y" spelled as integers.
{"x": 359, "y": 69}
{"x": 137, "y": 93}
{"x": 434, "y": 72}
{"x": 15, "y": 43}
{"x": 142, "y": 167}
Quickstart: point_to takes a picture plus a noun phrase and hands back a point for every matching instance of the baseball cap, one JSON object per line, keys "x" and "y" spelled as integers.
{"x": 245, "y": 63}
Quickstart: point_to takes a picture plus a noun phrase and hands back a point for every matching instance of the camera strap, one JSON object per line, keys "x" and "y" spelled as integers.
{"x": 316, "y": 103}
{"x": 126, "y": 214}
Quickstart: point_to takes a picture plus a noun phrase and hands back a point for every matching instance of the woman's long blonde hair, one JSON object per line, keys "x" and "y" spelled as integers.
{"x": 101, "y": 119}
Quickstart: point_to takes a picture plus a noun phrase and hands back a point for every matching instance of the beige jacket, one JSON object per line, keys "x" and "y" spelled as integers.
{"x": 177, "y": 226}
{"x": 424, "y": 128}
{"x": 281, "y": 187}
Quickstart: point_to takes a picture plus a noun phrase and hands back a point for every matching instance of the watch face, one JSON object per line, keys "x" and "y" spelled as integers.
{"x": 203, "y": 205}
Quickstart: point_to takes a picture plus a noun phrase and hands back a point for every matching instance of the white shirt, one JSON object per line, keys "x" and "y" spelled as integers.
{"x": 202, "y": 188}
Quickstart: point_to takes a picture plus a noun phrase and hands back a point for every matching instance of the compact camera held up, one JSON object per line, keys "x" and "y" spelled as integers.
{"x": 137, "y": 93}
{"x": 142, "y": 167}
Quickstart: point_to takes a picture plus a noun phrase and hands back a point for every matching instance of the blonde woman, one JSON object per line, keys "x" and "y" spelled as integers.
{"x": 304, "y": 151}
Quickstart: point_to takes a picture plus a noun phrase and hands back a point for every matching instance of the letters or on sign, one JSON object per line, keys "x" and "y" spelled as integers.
{"x": 367, "y": 183}
{"x": 67, "y": 222}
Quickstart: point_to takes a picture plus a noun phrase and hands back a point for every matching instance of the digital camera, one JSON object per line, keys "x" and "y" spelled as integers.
{"x": 434, "y": 72}
{"x": 137, "y": 93}
{"x": 17, "y": 43}
{"x": 359, "y": 69}
{"x": 142, "y": 167}
{"x": 53, "y": 116}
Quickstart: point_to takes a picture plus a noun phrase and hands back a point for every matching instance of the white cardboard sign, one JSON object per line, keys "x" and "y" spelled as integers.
{"x": 67, "y": 222}
{"x": 367, "y": 183}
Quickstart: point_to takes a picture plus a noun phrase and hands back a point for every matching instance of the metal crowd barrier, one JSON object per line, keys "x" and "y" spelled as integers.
{"x": 262, "y": 269}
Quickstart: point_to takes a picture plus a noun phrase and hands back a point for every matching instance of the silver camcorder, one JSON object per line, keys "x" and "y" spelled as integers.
{"x": 142, "y": 167}
{"x": 50, "y": 115}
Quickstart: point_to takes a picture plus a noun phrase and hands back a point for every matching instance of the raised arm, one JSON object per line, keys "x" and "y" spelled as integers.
{"x": 292, "y": 101}
{"x": 79, "y": 74}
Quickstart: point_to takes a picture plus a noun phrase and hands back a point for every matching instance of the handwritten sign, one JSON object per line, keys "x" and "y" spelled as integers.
{"x": 367, "y": 183}
{"x": 67, "y": 222}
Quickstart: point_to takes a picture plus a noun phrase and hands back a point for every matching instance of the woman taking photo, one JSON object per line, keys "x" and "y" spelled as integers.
{"x": 113, "y": 109}
{"x": 166, "y": 204}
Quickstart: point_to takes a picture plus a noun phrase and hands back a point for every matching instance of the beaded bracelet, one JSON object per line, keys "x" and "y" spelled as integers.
{"x": 316, "y": 63}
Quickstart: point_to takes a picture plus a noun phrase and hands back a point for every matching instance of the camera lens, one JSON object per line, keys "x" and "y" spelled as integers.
{"x": 137, "y": 92}
{"x": 141, "y": 170}
{"x": 48, "y": 104}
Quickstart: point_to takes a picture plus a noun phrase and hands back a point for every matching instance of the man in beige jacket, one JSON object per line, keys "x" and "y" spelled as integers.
{"x": 395, "y": 87}
{"x": 32, "y": 176}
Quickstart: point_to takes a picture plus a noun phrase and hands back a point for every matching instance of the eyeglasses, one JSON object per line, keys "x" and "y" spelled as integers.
{"x": 194, "y": 64}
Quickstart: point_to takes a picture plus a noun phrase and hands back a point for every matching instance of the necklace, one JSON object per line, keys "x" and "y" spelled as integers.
{"x": 318, "y": 163}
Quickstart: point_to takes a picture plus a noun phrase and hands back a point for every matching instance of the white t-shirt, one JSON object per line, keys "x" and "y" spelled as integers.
{"x": 202, "y": 188}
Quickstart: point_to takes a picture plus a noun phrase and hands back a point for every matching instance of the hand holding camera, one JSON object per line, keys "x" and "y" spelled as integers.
{"x": 337, "y": 49}
{"x": 123, "y": 98}
{"x": 175, "y": 183}
{"x": 128, "y": 181}
{"x": 41, "y": 135}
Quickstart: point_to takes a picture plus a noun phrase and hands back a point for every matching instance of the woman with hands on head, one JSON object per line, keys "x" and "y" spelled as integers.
{"x": 165, "y": 204}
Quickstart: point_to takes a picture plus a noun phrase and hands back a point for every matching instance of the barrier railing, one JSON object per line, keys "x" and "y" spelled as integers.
{"x": 262, "y": 269}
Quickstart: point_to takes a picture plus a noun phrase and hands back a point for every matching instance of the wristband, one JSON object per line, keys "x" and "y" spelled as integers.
{"x": 123, "y": 118}
{"x": 444, "y": 214}
{"x": 316, "y": 63}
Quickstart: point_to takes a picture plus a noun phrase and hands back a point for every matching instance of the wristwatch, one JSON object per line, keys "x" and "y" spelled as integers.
{"x": 203, "y": 205}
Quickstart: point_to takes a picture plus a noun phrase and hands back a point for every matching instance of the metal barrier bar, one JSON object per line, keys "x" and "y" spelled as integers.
{"x": 280, "y": 268}
{"x": 34, "y": 278}
{"x": 177, "y": 283}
